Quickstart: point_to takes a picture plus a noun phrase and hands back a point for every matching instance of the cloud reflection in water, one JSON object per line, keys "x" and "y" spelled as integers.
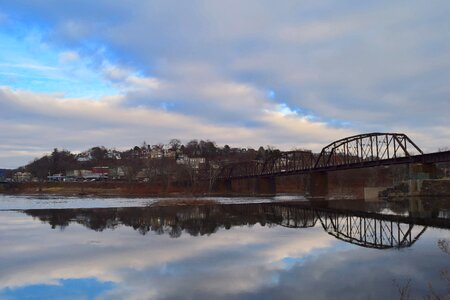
{"x": 249, "y": 260}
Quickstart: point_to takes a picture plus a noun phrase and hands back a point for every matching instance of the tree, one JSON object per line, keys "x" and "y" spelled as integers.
{"x": 207, "y": 148}
{"x": 66, "y": 161}
{"x": 261, "y": 154}
{"x": 98, "y": 154}
{"x": 214, "y": 170}
{"x": 187, "y": 173}
{"x": 40, "y": 168}
{"x": 192, "y": 148}
{"x": 161, "y": 170}
{"x": 226, "y": 149}
{"x": 174, "y": 144}
{"x": 131, "y": 168}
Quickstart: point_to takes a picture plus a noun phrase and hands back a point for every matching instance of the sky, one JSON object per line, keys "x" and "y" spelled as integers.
{"x": 291, "y": 74}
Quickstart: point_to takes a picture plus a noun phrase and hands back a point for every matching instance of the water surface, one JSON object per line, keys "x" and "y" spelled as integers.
{"x": 146, "y": 249}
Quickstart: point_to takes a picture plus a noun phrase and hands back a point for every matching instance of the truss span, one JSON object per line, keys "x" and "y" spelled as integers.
{"x": 286, "y": 162}
{"x": 366, "y": 148}
{"x": 359, "y": 151}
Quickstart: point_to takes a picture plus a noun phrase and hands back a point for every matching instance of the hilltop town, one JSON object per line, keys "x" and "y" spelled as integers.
{"x": 157, "y": 163}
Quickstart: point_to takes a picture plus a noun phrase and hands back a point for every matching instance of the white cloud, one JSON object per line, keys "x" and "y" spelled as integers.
{"x": 77, "y": 123}
{"x": 68, "y": 56}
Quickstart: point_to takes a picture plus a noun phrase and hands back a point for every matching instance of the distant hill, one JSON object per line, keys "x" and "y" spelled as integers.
{"x": 3, "y": 172}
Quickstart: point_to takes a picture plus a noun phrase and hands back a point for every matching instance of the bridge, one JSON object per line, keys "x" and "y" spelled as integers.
{"x": 355, "y": 152}
{"x": 359, "y": 151}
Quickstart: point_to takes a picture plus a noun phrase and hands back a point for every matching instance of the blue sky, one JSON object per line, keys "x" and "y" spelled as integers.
{"x": 76, "y": 74}
{"x": 86, "y": 288}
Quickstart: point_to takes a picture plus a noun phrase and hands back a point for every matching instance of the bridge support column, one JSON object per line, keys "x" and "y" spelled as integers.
{"x": 317, "y": 185}
{"x": 266, "y": 186}
{"x": 422, "y": 171}
{"x": 223, "y": 186}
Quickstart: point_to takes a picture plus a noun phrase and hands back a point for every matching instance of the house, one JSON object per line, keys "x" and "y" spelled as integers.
{"x": 114, "y": 154}
{"x": 84, "y": 158}
{"x": 78, "y": 173}
{"x": 116, "y": 173}
{"x": 156, "y": 153}
{"x": 193, "y": 162}
{"x": 56, "y": 178}
{"x": 96, "y": 173}
{"x": 22, "y": 177}
{"x": 169, "y": 153}
{"x": 104, "y": 171}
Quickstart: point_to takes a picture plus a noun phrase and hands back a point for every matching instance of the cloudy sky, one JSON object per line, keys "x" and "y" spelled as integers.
{"x": 76, "y": 74}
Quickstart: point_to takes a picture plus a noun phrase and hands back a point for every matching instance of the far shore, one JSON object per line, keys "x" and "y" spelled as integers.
{"x": 107, "y": 189}
{"x": 431, "y": 187}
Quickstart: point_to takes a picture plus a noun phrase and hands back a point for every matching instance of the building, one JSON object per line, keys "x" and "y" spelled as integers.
{"x": 22, "y": 177}
{"x": 116, "y": 173}
{"x": 56, "y": 178}
{"x": 193, "y": 162}
{"x": 97, "y": 173}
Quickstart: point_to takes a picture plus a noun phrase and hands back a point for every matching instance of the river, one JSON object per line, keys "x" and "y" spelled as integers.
{"x": 222, "y": 248}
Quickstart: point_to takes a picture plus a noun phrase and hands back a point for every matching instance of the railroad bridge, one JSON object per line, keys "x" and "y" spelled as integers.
{"x": 354, "y": 152}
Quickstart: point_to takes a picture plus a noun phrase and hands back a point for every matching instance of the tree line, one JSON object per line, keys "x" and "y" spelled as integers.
{"x": 161, "y": 162}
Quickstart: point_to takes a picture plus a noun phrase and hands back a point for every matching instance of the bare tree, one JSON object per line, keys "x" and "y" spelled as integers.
{"x": 131, "y": 168}
{"x": 404, "y": 290}
{"x": 174, "y": 144}
{"x": 214, "y": 170}
{"x": 160, "y": 169}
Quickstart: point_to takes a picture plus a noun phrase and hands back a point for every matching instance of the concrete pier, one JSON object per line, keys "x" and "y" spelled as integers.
{"x": 317, "y": 184}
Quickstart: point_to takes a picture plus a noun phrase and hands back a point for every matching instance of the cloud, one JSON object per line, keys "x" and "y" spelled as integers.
{"x": 129, "y": 81}
{"x": 334, "y": 69}
{"x": 46, "y": 121}
{"x": 68, "y": 56}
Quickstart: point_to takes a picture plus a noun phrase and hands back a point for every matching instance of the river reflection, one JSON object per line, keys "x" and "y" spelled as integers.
{"x": 257, "y": 250}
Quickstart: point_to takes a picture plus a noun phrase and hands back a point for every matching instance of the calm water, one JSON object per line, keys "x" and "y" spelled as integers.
{"x": 145, "y": 249}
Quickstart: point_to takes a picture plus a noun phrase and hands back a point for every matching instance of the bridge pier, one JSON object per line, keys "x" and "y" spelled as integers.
{"x": 266, "y": 186}
{"x": 250, "y": 186}
{"x": 317, "y": 185}
{"x": 423, "y": 171}
{"x": 223, "y": 186}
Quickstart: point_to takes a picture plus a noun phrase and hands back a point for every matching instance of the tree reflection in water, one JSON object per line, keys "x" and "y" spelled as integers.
{"x": 366, "y": 229}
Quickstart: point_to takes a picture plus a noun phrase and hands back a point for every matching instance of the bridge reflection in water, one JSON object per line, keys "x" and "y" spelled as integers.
{"x": 370, "y": 232}
{"x": 366, "y": 229}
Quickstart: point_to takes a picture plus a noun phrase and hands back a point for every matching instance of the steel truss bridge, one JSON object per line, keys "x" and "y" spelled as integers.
{"x": 359, "y": 151}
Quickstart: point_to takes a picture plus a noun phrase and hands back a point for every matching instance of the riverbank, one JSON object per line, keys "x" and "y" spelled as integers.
{"x": 336, "y": 190}
{"x": 418, "y": 187}
{"x": 105, "y": 189}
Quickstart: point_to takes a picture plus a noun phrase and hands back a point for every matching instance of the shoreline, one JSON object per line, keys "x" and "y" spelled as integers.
{"x": 413, "y": 188}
